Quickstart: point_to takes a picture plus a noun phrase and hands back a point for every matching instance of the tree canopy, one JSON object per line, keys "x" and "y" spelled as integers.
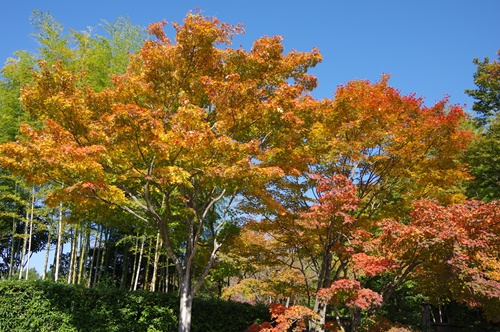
{"x": 225, "y": 154}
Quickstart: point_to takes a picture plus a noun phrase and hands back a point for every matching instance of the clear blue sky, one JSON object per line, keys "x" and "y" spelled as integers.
{"x": 427, "y": 46}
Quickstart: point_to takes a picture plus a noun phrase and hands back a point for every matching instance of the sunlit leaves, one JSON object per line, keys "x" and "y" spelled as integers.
{"x": 393, "y": 147}
{"x": 487, "y": 93}
{"x": 453, "y": 252}
{"x": 350, "y": 293}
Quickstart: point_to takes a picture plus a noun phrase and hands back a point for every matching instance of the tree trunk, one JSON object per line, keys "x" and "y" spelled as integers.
{"x": 115, "y": 259}
{"x": 426, "y": 318}
{"x": 324, "y": 280}
{"x": 84, "y": 249}
{"x": 92, "y": 259}
{"x": 72, "y": 247}
{"x": 355, "y": 319}
{"x": 75, "y": 253}
{"x": 156, "y": 261}
{"x": 13, "y": 243}
{"x": 21, "y": 266}
{"x": 97, "y": 255}
{"x": 59, "y": 248}
{"x": 103, "y": 253}
{"x": 47, "y": 252}
{"x": 138, "y": 270}
{"x": 148, "y": 263}
{"x": 30, "y": 236}
{"x": 186, "y": 304}
{"x": 125, "y": 265}
{"x": 136, "y": 249}
{"x": 320, "y": 309}
{"x": 12, "y": 247}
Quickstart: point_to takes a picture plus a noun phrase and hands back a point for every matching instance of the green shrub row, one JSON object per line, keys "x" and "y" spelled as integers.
{"x": 47, "y": 306}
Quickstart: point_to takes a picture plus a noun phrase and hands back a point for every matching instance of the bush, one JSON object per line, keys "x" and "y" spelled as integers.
{"x": 47, "y": 306}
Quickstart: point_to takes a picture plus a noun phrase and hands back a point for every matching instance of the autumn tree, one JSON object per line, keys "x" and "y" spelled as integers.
{"x": 373, "y": 152}
{"x": 190, "y": 127}
{"x": 451, "y": 252}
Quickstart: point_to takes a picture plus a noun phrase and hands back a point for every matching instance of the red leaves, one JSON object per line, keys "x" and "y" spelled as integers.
{"x": 284, "y": 318}
{"x": 452, "y": 251}
{"x": 337, "y": 197}
{"x": 350, "y": 293}
{"x": 371, "y": 265}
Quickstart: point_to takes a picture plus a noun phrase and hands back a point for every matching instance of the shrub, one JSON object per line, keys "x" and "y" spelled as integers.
{"x": 48, "y": 306}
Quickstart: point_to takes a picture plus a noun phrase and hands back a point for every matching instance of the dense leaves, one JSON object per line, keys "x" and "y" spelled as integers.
{"x": 332, "y": 204}
{"x": 45, "y": 306}
{"x": 487, "y": 92}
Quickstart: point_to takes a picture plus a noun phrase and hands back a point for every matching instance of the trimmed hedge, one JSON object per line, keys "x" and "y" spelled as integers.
{"x": 47, "y": 306}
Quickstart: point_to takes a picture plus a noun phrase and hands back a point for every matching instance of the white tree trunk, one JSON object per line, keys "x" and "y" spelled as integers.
{"x": 138, "y": 270}
{"x": 47, "y": 253}
{"x": 136, "y": 249}
{"x": 24, "y": 247}
{"x": 30, "y": 236}
{"x": 59, "y": 248}
{"x": 156, "y": 261}
{"x": 186, "y": 304}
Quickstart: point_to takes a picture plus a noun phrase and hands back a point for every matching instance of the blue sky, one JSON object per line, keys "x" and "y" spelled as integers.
{"x": 427, "y": 46}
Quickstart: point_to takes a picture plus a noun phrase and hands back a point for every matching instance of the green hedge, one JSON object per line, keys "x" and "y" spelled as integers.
{"x": 47, "y": 306}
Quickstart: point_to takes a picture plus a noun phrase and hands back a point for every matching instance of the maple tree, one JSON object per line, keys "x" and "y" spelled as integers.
{"x": 177, "y": 138}
{"x": 373, "y": 152}
{"x": 450, "y": 251}
{"x": 393, "y": 147}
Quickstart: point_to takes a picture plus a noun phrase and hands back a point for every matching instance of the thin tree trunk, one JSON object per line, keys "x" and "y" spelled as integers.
{"x": 71, "y": 246}
{"x": 32, "y": 212}
{"x": 138, "y": 270}
{"x": 47, "y": 252}
{"x": 12, "y": 247}
{"x": 167, "y": 276}
{"x": 125, "y": 266}
{"x": 155, "y": 264}
{"x": 103, "y": 255}
{"x": 148, "y": 262}
{"x": 28, "y": 259}
{"x": 96, "y": 255}
{"x": 91, "y": 263}
{"x": 106, "y": 255}
{"x": 426, "y": 318}
{"x": 23, "y": 253}
{"x": 75, "y": 254}
{"x": 13, "y": 243}
{"x": 115, "y": 259}
{"x": 59, "y": 248}
{"x": 136, "y": 249}
{"x": 84, "y": 248}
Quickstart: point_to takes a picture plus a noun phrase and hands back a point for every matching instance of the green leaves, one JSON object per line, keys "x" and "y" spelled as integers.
{"x": 487, "y": 93}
